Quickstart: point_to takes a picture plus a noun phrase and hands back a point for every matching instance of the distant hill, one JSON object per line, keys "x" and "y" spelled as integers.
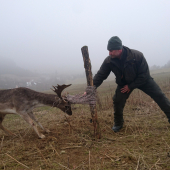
{"x": 13, "y": 76}
{"x": 8, "y": 66}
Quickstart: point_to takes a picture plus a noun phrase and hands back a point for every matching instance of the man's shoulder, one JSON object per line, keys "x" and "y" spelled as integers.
{"x": 133, "y": 52}
{"x": 107, "y": 59}
{"x": 136, "y": 52}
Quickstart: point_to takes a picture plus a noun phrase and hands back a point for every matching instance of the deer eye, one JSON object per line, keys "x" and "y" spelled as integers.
{"x": 67, "y": 107}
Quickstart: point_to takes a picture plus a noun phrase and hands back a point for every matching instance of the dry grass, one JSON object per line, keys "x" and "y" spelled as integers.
{"x": 143, "y": 143}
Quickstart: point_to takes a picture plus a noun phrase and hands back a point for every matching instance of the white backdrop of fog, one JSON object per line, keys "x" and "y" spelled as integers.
{"x": 48, "y": 35}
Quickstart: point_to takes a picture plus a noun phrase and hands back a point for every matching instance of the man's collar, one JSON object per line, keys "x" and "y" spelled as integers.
{"x": 122, "y": 54}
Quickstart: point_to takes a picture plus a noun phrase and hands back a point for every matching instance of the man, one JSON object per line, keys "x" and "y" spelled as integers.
{"x": 131, "y": 71}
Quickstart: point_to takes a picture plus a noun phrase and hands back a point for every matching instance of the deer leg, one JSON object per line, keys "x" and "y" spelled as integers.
{"x": 2, "y": 116}
{"x": 35, "y": 119}
{"x": 27, "y": 118}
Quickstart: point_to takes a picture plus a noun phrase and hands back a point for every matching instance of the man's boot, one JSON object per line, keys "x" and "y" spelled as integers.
{"x": 117, "y": 128}
{"x": 118, "y": 122}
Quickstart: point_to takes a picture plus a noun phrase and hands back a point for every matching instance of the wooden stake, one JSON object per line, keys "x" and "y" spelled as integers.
{"x": 89, "y": 76}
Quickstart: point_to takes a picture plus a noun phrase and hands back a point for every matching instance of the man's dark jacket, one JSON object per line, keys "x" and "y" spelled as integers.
{"x": 134, "y": 72}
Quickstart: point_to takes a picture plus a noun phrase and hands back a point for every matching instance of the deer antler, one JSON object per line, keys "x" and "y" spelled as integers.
{"x": 58, "y": 89}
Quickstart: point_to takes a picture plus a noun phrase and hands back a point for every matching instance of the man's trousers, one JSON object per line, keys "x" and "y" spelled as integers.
{"x": 150, "y": 88}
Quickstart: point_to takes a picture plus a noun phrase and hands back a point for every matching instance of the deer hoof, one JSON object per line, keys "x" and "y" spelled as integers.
{"x": 47, "y": 131}
{"x": 42, "y": 136}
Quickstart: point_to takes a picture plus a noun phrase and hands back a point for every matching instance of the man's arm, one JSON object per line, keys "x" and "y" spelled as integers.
{"x": 142, "y": 74}
{"x": 102, "y": 74}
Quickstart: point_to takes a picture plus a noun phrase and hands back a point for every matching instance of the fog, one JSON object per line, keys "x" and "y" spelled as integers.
{"x": 47, "y": 36}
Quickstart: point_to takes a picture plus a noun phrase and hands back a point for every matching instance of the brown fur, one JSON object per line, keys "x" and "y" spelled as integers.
{"x": 22, "y": 101}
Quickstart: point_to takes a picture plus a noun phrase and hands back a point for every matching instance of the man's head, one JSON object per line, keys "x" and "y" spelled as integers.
{"x": 114, "y": 47}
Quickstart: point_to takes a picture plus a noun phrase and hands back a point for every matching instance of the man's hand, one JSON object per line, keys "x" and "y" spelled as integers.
{"x": 125, "y": 89}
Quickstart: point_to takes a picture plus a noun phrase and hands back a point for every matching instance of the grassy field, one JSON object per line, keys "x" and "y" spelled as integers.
{"x": 143, "y": 143}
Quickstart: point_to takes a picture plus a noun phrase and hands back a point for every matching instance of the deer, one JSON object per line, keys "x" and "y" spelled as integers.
{"x": 22, "y": 101}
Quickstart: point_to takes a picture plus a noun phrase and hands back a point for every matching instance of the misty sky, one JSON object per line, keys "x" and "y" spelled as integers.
{"x": 48, "y": 34}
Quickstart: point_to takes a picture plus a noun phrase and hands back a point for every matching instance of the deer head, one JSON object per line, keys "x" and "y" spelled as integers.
{"x": 62, "y": 103}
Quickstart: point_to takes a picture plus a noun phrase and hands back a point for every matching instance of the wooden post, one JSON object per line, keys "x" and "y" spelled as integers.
{"x": 89, "y": 76}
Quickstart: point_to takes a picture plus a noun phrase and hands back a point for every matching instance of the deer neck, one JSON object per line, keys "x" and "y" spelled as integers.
{"x": 46, "y": 99}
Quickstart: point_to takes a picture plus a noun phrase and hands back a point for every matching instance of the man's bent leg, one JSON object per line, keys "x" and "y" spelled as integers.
{"x": 119, "y": 100}
{"x": 154, "y": 91}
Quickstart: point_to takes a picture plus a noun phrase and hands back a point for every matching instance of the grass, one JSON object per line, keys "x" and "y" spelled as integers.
{"x": 143, "y": 143}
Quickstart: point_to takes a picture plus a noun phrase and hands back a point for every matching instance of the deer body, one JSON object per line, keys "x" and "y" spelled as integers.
{"x": 22, "y": 101}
